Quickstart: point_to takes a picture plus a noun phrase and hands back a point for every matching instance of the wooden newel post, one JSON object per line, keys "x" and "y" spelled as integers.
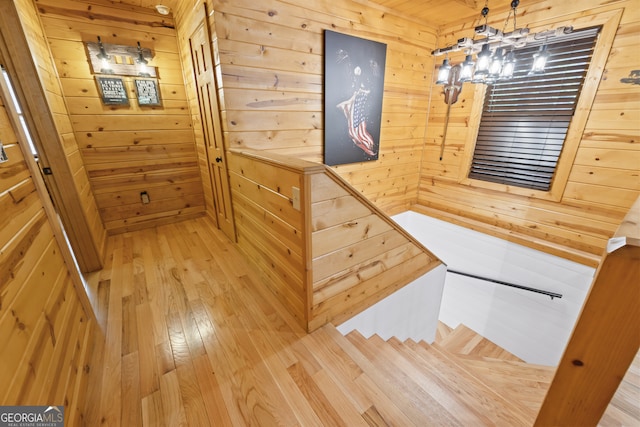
{"x": 605, "y": 339}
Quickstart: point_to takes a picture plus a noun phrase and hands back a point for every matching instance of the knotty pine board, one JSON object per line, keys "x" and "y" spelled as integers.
{"x": 359, "y": 256}
{"x": 271, "y": 71}
{"x": 167, "y": 130}
{"x": 603, "y": 180}
{"x": 44, "y": 331}
{"x": 59, "y": 148}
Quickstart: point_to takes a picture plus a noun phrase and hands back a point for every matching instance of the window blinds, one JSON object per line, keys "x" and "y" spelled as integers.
{"x": 525, "y": 119}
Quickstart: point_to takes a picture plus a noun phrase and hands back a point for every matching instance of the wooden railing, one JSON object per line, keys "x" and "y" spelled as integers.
{"x": 606, "y": 336}
{"x": 321, "y": 246}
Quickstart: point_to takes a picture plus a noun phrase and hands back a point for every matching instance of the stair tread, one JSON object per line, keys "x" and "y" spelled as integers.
{"x": 467, "y": 387}
{"x": 437, "y": 382}
{"x": 522, "y": 384}
{"x": 356, "y": 377}
{"x": 471, "y": 388}
{"x": 454, "y": 388}
{"x": 464, "y": 340}
{"x": 422, "y": 406}
{"x": 442, "y": 331}
{"x": 451, "y": 389}
{"x": 512, "y": 368}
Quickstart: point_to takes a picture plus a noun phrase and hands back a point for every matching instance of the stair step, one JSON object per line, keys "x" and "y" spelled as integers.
{"x": 399, "y": 402}
{"x": 465, "y": 341}
{"x": 398, "y": 378}
{"x": 442, "y": 331}
{"x": 524, "y": 383}
{"x": 471, "y": 388}
{"x": 358, "y": 378}
{"x": 436, "y": 380}
{"x": 441, "y": 388}
{"x": 439, "y": 384}
{"x": 509, "y": 368}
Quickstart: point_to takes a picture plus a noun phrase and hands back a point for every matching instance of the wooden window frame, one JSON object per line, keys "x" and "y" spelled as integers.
{"x": 609, "y": 21}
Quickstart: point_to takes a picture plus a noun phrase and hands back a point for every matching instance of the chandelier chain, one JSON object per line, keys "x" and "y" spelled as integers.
{"x": 514, "y": 10}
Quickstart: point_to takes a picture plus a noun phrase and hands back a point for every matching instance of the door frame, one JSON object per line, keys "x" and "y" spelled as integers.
{"x": 221, "y": 190}
{"x": 31, "y": 94}
{"x": 45, "y": 198}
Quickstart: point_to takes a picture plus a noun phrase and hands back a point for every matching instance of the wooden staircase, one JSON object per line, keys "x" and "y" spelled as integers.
{"x": 192, "y": 337}
{"x": 461, "y": 379}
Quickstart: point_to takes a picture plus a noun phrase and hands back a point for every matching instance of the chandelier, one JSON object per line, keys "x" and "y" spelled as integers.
{"x": 494, "y": 52}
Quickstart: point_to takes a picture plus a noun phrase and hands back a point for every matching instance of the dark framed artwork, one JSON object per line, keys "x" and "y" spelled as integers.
{"x": 353, "y": 86}
{"x": 112, "y": 90}
{"x": 147, "y": 92}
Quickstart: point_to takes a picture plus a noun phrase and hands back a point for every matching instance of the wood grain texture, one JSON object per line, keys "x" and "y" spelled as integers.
{"x": 46, "y": 336}
{"x": 359, "y": 255}
{"x": 234, "y": 355}
{"x": 270, "y": 68}
{"x": 599, "y": 168}
{"x": 269, "y": 230}
{"x": 269, "y": 102}
{"x": 123, "y": 142}
{"x": 333, "y": 255}
{"x": 589, "y": 373}
{"x": 45, "y": 112}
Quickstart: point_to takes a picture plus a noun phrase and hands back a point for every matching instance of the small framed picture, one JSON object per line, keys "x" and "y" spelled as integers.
{"x": 148, "y": 92}
{"x": 112, "y": 90}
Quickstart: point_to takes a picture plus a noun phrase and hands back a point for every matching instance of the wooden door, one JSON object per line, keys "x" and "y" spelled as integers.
{"x": 202, "y": 58}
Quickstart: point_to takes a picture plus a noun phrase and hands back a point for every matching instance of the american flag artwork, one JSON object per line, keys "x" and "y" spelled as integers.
{"x": 355, "y": 111}
{"x": 353, "y": 91}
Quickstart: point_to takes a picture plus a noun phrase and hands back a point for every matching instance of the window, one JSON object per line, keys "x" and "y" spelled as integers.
{"x": 23, "y": 123}
{"x": 525, "y": 119}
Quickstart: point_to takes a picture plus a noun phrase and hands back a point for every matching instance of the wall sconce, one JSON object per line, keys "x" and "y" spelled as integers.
{"x": 121, "y": 60}
{"x": 142, "y": 63}
{"x": 492, "y": 63}
{"x": 104, "y": 59}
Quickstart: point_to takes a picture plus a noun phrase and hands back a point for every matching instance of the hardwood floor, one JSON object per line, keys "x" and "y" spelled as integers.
{"x": 191, "y": 338}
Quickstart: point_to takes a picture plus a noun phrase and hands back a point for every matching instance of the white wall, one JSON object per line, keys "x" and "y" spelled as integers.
{"x": 529, "y": 325}
{"x": 410, "y": 312}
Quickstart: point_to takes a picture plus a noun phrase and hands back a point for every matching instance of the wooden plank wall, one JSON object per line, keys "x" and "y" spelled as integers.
{"x": 270, "y": 231}
{"x": 604, "y": 179}
{"x": 332, "y": 257}
{"x": 272, "y": 119}
{"x": 93, "y": 235}
{"x": 127, "y": 149}
{"x": 45, "y": 335}
{"x": 359, "y": 256}
{"x": 270, "y": 68}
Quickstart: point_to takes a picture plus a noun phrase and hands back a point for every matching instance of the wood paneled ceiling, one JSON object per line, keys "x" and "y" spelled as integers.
{"x": 431, "y": 12}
